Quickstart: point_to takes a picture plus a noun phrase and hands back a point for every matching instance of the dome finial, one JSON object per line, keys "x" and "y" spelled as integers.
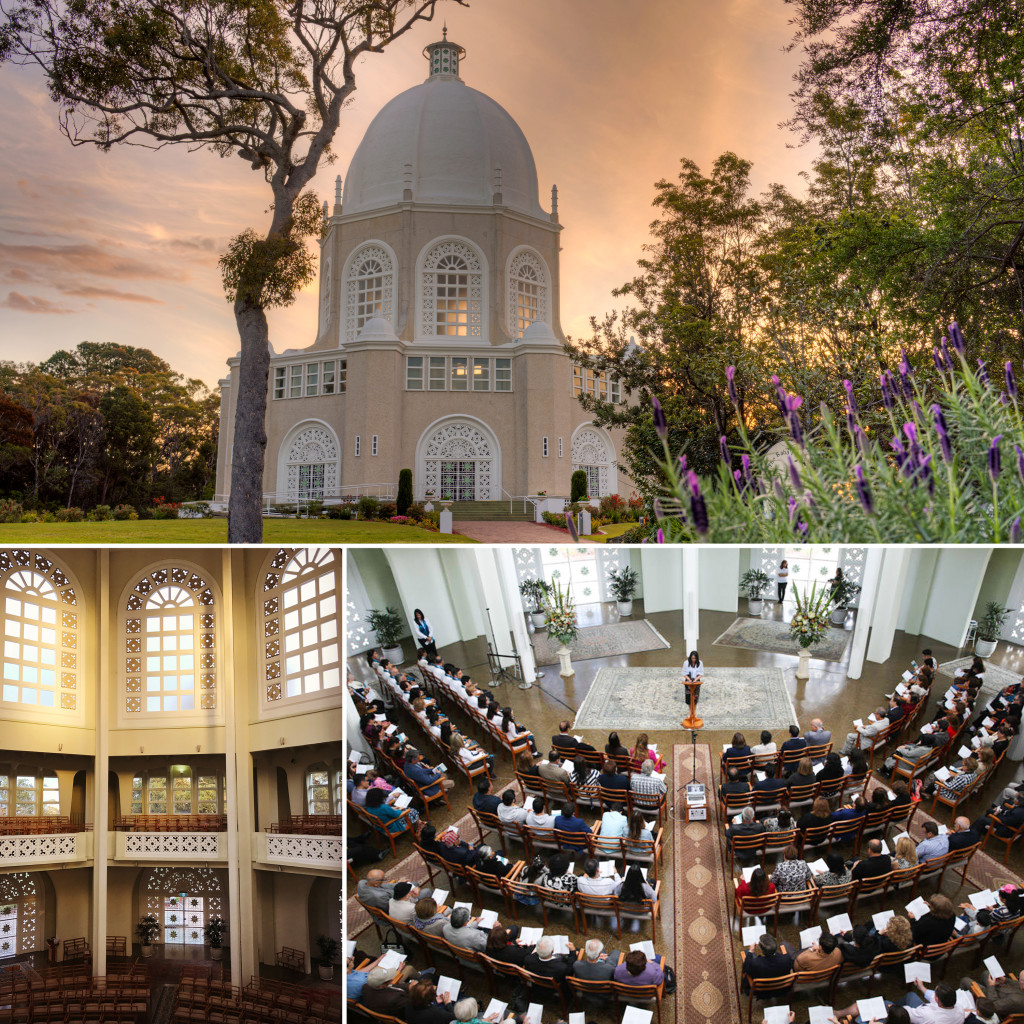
{"x": 444, "y": 56}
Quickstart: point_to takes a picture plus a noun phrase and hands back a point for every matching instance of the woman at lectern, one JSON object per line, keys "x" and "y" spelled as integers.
{"x": 693, "y": 669}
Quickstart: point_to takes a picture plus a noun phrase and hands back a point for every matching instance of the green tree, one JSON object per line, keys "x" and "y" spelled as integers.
{"x": 404, "y": 499}
{"x": 265, "y": 80}
{"x": 578, "y": 485}
{"x": 129, "y": 449}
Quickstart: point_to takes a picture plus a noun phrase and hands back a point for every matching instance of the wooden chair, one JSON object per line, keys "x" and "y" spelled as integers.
{"x": 953, "y": 800}
{"x": 847, "y": 831}
{"x": 742, "y": 848}
{"x": 545, "y": 988}
{"x": 557, "y": 901}
{"x": 767, "y": 990}
{"x": 441, "y": 796}
{"x": 941, "y": 951}
{"x": 813, "y": 981}
{"x": 801, "y": 796}
{"x": 591, "y": 994}
{"x": 775, "y": 843}
{"x": 639, "y": 995}
{"x": 1007, "y": 841}
{"x": 881, "y": 963}
{"x": 757, "y": 906}
{"x": 796, "y": 901}
{"x": 816, "y": 838}
{"x": 837, "y": 898}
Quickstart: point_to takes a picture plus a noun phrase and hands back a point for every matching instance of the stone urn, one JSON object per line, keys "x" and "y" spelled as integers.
{"x": 538, "y": 619}
{"x": 755, "y": 605}
{"x": 625, "y": 607}
{"x": 393, "y": 654}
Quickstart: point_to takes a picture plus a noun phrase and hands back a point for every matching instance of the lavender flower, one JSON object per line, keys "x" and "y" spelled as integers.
{"x": 659, "y": 537}
{"x": 745, "y": 463}
{"x": 943, "y": 432}
{"x": 924, "y": 472}
{"x": 851, "y": 399}
{"x": 792, "y": 509}
{"x": 1015, "y": 534}
{"x": 957, "y": 338}
{"x": 699, "y": 511}
{"x": 864, "y": 492}
{"x": 794, "y": 476}
{"x": 947, "y": 359}
{"x": 1011, "y": 381}
{"x": 983, "y": 373}
{"x": 682, "y": 465}
{"x": 937, "y": 359}
{"x": 887, "y": 399}
{"x": 802, "y": 529}
{"x": 730, "y": 375}
{"x": 660, "y": 423}
{"x": 1020, "y": 462}
{"x": 995, "y": 466}
{"x": 723, "y": 447}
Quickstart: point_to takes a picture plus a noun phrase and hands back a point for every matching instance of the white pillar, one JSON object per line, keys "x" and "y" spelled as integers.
{"x": 100, "y": 816}
{"x": 506, "y": 570}
{"x": 862, "y": 626}
{"x": 691, "y": 597}
{"x": 920, "y": 582}
{"x": 895, "y": 566}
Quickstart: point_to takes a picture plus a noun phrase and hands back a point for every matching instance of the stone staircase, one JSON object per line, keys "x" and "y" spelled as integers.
{"x": 491, "y": 511}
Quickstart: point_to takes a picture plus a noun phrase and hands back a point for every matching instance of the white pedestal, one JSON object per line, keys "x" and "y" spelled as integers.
{"x": 584, "y": 526}
{"x": 565, "y": 668}
{"x": 446, "y": 520}
{"x": 803, "y": 669}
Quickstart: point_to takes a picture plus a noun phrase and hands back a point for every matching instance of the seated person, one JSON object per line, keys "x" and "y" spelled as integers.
{"x": 566, "y": 821}
{"x": 615, "y": 750}
{"x": 428, "y": 780}
{"x": 803, "y": 775}
{"x": 612, "y": 778}
{"x": 558, "y": 875}
{"x": 461, "y": 930}
{"x": 906, "y": 853}
{"x": 876, "y": 863}
{"x": 545, "y": 962}
{"x": 552, "y": 770}
{"x": 863, "y": 735}
{"x": 959, "y": 782}
{"x": 564, "y": 743}
{"x": 739, "y": 748}
{"x": 633, "y": 888}
{"x": 483, "y": 799}
{"x": 508, "y": 811}
{"x": 795, "y": 742}
{"x": 759, "y": 884}
{"x": 933, "y": 845}
{"x": 456, "y": 852}
{"x": 962, "y": 834}
{"x": 937, "y": 925}
{"x": 491, "y": 863}
{"x": 770, "y": 784}
{"x": 817, "y": 816}
{"x": 736, "y": 783}
{"x": 860, "y": 945}
{"x": 636, "y": 969}
{"x": 595, "y": 964}
{"x": 856, "y": 808}
{"x": 614, "y": 824}
{"x": 766, "y": 746}
{"x": 833, "y": 770}
{"x": 378, "y": 804}
{"x": 639, "y": 835}
{"x": 896, "y": 936}
{"x": 748, "y": 825}
{"x": 765, "y": 959}
{"x": 791, "y": 874}
{"x": 643, "y": 751}
{"x": 537, "y": 817}
{"x": 644, "y": 782}
{"x": 502, "y": 946}
{"x": 427, "y": 917}
{"x": 820, "y": 955}
{"x": 592, "y": 884}
{"x": 837, "y": 874}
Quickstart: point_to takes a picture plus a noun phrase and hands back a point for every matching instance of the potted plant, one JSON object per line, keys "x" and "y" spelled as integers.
{"x": 755, "y": 582}
{"x": 215, "y": 936}
{"x": 536, "y": 591}
{"x": 843, "y": 595}
{"x": 990, "y": 625}
{"x": 623, "y": 583}
{"x": 147, "y": 929}
{"x": 387, "y": 625}
{"x": 328, "y": 953}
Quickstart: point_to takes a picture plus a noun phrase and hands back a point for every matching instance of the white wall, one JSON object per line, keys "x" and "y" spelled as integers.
{"x": 460, "y": 572}
{"x": 378, "y": 581}
{"x": 916, "y": 589}
{"x": 422, "y": 584}
{"x": 663, "y": 578}
{"x": 959, "y": 573}
{"x": 718, "y": 579}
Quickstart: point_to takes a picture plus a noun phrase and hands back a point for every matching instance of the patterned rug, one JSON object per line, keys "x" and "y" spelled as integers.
{"x": 996, "y": 678}
{"x": 773, "y": 635}
{"x": 654, "y": 699}
{"x": 629, "y": 637}
{"x": 705, "y": 967}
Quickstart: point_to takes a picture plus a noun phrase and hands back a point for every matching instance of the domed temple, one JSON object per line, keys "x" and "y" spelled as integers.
{"x": 439, "y": 346}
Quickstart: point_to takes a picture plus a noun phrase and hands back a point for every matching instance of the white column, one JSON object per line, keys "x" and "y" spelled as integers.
{"x": 895, "y": 565}
{"x": 862, "y": 626}
{"x": 920, "y": 582}
{"x": 506, "y": 567}
{"x": 100, "y": 815}
{"x": 691, "y": 597}
{"x": 227, "y": 690}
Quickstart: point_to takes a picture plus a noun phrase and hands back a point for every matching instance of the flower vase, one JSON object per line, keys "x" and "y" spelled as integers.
{"x": 565, "y": 668}
{"x": 803, "y": 668}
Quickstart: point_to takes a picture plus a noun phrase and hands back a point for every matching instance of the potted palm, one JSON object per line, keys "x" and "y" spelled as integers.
{"x": 387, "y": 625}
{"x": 623, "y": 583}
{"x": 843, "y": 595}
{"x": 535, "y": 591}
{"x": 215, "y": 936}
{"x": 328, "y": 953}
{"x": 755, "y": 582}
{"x": 147, "y": 930}
{"x": 990, "y": 625}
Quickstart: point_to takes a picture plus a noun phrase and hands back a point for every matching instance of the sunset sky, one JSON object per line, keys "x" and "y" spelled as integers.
{"x": 123, "y": 246}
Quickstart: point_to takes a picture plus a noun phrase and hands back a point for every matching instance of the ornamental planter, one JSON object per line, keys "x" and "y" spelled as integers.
{"x": 393, "y": 654}
{"x": 803, "y": 668}
{"x": 326, "y": 972}
{"x": 755, "y": 605}
{"x": 216, "y": 952}
{"x": 838, "y": 616}
{"x": 538, "y": 619}
{"x": 146, "y": 951}
{"x": 625, "y": 607}
{"x": 985, "y": 648}
{"x": 565, "y": 668}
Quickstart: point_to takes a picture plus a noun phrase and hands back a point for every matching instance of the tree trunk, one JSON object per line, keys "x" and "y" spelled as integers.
{"x": 245, "y": 516}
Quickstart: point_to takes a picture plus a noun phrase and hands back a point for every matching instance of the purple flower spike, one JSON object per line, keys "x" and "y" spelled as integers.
{"x": 983, "y": 373}
{"x": 1011, "y": 382}
{"x": 792, "y": 509}
{"x": 937, "y": 358}
{"x": 723, "y": 448}
{"x": 659, "y": 537}
{"x": 943, "y": 432}
{"x": 995, "y": 466}
{"x": 700, "y": 513}
{"x": 745, "y": 462}
{"x": 887, "y": 400}
{"x": 1020, "y": 462}
{"x": 1015, "y": 531}
{"x": 956, "y": 338}
{"x": 794, "y": 476}
{"x": 802, "y": 528}
{"x": 851, "y": 399}
{"x": 738, "y": 477}
{"x": 925, "y": 473}
{"x": 730, "y": 375}
{"x": 693, "y": 481}
{"x": 864, "y": 492}
{"x": 682, "y": 465}
{"x": 660, "y": 423}
{"x": 911, "y": 431}
{"x": 946, "y": 357}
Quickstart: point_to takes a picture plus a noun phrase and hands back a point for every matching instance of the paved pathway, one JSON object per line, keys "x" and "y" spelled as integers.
{"x": 497, "y": 532}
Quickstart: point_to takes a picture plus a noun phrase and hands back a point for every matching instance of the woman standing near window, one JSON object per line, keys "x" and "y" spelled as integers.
{"x": 424, "y": 634}
{"x": 782, "y": 579}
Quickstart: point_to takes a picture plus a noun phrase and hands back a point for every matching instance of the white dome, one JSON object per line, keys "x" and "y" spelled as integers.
{"x": 454, "y": 138}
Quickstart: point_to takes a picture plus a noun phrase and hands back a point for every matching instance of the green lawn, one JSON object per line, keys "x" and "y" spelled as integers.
{"x": 215, "y": 531}
{"x": 608, "y": 530}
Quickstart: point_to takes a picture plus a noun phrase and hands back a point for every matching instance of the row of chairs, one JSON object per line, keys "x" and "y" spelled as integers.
{"x": 171, "y": 823}
{"x": 799, "y": 796}
{"x": 40, "y": 825}
{"x": 557, "y": 794}
{"x": 308, "y": 825}
{"x": 785, "y": 761}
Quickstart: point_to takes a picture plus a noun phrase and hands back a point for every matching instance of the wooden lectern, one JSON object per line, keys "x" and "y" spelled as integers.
{"x": 692, "y": 722}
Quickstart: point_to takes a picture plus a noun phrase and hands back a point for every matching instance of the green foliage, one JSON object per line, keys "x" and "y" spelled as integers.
{"x": 386, "y": 624}
{"x": 147, "y": 929}
{"x": 368, "y": 507}
{"x": 991, "y": 623}
{"x": 125, "y": 512}
{"x": 755, "y": 582}
{"x": 844, "y": 593}
{"x": 623, "y": 583}
{"x": 10, "y": 511}
{"x": 535, "y": 591}
{"x": 328, "y": 949}
{"x": 339, "y": 512}
{"x": 69, "y": 515}
{"x": 404, "y": 491}
{"x": 101, "y": 513}
{"x": 578, "y": 485}
{"x": 214, "y": 932}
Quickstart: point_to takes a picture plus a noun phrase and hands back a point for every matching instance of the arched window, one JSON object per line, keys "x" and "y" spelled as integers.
{"x": 318, "y": 790}
{"x": 183, "y": 900}
{"x": 453, "y": 291}
{"x": 41, "y": 633}
{"x": 170, "y": 642}
{"x": 370, "y": 288}
{"x": 20, "y": 910}
{"x": 527, "y": 292}
{"x": 301, "y": 613}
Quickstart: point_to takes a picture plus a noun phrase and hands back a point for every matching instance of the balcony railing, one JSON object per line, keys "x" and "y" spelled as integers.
{"x": 322, "y": 852}
{"x": 177, "y": 846}
{"x": 66, "y": 848}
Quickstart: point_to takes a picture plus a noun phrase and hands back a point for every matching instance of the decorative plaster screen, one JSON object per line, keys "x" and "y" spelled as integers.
{"x": 20, "y": 910}
{"x": 183, "y": 919}
{"x": 809, "y": 564}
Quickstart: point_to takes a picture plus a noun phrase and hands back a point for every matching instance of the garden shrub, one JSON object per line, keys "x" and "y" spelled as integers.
{"x": 101, "y": 514}
{"x": 10, "y": 510}
{"x": 69, "y": 515}
{"x": 368, "y": 507}
{"x": 404, "y": 491}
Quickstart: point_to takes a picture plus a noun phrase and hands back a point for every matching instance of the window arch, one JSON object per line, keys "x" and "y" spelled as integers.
{"x": 301, "y": 613}
{"x": 308, "y": 462}
{"x": 42, "y": 639}
{"x": 527, "y": 292}
{"x": 170, "y": 644}
{"x": 20, "y": 910}
{"x": 183, "y": 900}
{"x": 369, "y": 287}
{"x": 452, "y": 300}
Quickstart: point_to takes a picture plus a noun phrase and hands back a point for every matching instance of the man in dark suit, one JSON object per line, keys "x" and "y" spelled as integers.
{"x": 1005, "y": 818}
{"x": 895, "y": 712}
{"x": 876, "y": 863}
{"x": 748, "y": 825}
{"x": 565, "y": 744}
{"x": 765, "y": 960}
{"x": 962, "y": 835}
{"x": 737, "y": 783}
{"x": 483, "y": 799}
{"x": 544, "y": 962}
{"x": 769, "y": 784}
{"x": 612, "y": 778}
{"x": 795, "y": 741}
{"x": 566, "y": 821}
